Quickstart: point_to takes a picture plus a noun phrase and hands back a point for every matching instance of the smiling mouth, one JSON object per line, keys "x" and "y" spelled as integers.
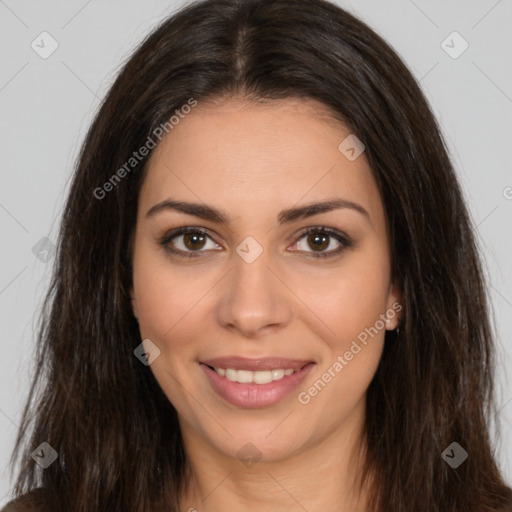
{"x": 253, "y": 383}
{"x": 254, "y": 377}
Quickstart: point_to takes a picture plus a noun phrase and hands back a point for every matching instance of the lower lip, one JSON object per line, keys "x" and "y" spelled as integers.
{"x": 255, "y": 395}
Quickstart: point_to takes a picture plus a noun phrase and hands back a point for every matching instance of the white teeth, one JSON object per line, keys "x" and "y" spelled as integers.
{"x": 231, "y": 374}
{"x": 250, "y": 377}
{"x": 278, "y": 374}
{"x": 244, "y": 376}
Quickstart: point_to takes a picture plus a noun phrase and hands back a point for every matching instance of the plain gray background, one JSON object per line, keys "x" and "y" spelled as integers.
{"x": 47, "y": 104}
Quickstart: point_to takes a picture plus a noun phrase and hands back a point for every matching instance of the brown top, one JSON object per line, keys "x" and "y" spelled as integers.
{"x": 34, "y": 501}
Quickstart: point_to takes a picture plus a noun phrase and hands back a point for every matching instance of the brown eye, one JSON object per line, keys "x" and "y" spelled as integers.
{"x": 318, "y": 241}
{"x": 188, "y": 242}
{"x": 194, "y": 241}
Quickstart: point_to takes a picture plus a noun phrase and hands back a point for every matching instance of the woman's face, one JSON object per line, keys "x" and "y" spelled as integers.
{"x": 242, "y": 290}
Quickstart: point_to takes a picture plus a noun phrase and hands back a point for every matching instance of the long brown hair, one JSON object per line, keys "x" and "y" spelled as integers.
{"x": 116, "y": 433}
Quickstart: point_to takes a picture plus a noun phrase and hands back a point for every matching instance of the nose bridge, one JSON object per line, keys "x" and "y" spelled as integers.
{"x": 251, "y": 278}
{"x": 252, "y": 297}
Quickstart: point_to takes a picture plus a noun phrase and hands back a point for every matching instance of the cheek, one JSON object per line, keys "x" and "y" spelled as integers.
{"x": 162, "y": 295}
{"x": 167, "y": 302}
{"x": 353, "y": 298}
{"x": 350, "y": 356}
{"x": 351, "y": 311}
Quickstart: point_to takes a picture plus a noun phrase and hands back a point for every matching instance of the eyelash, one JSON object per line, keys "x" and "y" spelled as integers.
{"x": 343, "y": 239}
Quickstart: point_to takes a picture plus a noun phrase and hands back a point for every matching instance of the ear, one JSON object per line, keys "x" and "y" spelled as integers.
{"x": 134, "y": 304}
{"x": 394, "y": 307}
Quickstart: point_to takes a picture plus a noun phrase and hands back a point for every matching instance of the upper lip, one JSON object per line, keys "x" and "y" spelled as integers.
{"x": 260, "y": 363}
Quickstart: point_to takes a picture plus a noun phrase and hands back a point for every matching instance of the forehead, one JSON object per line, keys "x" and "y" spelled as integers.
{"x": 247, "y": 155}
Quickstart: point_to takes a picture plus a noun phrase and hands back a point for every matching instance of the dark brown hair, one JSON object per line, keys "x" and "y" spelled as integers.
{"x": 115, "y": 431}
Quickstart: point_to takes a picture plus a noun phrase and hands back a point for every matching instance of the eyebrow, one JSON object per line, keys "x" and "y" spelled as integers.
{"x": 206, "y": 212}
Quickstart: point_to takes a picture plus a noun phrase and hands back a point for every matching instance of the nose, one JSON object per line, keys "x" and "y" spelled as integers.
{"x": 254, "y": 300}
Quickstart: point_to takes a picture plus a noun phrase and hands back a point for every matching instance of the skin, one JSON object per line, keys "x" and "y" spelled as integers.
{"x": 251, "y": 161}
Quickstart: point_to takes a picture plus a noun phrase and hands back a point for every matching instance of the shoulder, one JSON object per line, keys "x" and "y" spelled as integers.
{"x": 36, "y": 500}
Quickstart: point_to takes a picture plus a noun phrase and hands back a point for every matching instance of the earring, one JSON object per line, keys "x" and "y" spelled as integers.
{"x": 397, "y": 332}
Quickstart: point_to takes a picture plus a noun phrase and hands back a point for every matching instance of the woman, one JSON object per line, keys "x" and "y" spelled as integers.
{"x": 267, "y": 284}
